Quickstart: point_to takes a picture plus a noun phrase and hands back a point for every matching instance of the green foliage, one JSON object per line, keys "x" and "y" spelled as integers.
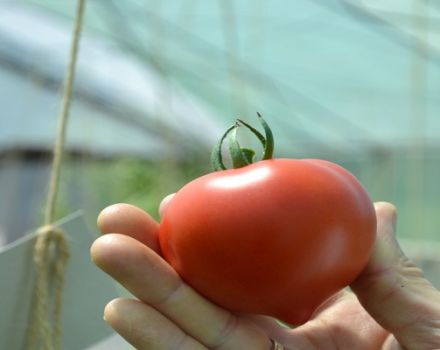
{"x": 91, "y": 185}
{"x": 145, "y": 183}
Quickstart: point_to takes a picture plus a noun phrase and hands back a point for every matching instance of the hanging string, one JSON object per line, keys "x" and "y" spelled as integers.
{"x": 64, "y": 115}
{"x": 51, "y": 251}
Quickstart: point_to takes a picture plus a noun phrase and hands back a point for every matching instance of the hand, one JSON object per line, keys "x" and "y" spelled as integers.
{"x": 403, "y": 307}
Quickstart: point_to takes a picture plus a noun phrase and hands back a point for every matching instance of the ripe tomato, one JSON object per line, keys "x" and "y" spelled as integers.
{"x": 276, "y": 237}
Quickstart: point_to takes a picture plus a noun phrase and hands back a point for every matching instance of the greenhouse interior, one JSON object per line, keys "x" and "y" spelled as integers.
{"x": 155, "y": 86}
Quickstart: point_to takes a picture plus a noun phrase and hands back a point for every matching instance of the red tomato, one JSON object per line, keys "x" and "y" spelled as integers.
{"x": 276, "y": 237}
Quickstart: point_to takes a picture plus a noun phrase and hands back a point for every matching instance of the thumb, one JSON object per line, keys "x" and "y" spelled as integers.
{"x": 395, "y": 292}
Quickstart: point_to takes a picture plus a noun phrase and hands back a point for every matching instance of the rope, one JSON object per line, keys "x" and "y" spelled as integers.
{"x": 64, "y": 115}
{"x": 51, "y": 251}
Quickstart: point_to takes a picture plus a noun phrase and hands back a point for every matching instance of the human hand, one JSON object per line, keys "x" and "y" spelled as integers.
{"x": 396, "y": 293}
{"x": 170, "y": 315}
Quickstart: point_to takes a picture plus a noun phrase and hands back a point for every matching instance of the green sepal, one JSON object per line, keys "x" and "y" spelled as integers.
{"x": 238, "y": 157}
{"x": 242, "y": 156}
{"x": 216, "y": 154}
{"x": 270, "y": 142}
{"x": 249, "y": 154}
{"x": 259, "y": 136}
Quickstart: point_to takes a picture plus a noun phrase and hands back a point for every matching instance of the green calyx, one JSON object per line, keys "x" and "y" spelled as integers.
{"x": 241, "y": 156}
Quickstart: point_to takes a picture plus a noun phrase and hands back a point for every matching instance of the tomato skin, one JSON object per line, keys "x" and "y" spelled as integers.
{"x": 277, "y": 237}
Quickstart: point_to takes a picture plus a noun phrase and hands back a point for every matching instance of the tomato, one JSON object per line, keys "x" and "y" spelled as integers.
{"x": 276, "y": 237}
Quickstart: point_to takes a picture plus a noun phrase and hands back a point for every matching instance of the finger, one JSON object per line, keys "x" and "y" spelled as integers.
{"x": 147, "y": 276}
{"x": 131, "y": 221}
{"x": 145, "y": 328}
{"x": 165, "y": 203}
{"x": 395, "y": 292}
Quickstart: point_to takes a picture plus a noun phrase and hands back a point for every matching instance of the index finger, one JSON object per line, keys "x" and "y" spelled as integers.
{"x": 148, "y": 277}
{"x": 131, "y": 221}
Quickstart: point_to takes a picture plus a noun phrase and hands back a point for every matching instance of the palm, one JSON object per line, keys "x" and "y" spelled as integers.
{"x": 341, "y": 323}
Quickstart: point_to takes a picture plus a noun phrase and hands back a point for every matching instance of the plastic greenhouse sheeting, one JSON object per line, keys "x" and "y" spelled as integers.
{"x": 33, "y": 56}
{"x": 341, "y": 73}
{"x": 355, "y": 82}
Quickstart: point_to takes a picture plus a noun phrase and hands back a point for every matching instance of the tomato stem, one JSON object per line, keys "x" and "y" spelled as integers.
{"x": 242, "y": 156}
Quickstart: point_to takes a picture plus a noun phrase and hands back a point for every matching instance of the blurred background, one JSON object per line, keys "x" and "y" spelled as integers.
{"x": 354, "y": 82}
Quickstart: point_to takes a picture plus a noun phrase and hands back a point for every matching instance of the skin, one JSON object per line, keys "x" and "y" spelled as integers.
{"x": 393, "y": 306}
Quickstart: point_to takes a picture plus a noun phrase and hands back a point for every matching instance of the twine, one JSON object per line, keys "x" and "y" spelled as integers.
{"x": 51, "y": 251}
{"x": 64, "y": 115}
